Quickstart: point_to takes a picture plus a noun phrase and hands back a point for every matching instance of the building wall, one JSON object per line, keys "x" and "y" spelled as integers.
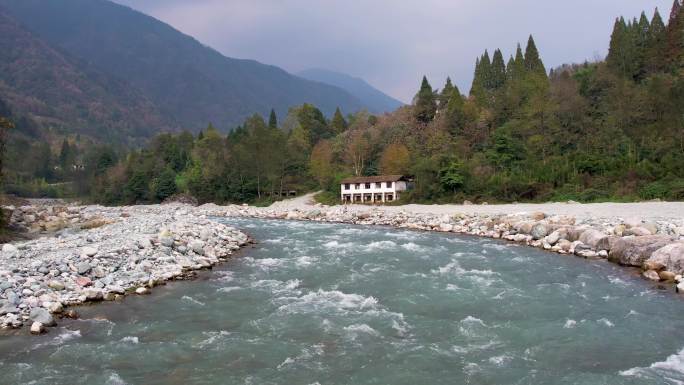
{"x": 396, "y": 187}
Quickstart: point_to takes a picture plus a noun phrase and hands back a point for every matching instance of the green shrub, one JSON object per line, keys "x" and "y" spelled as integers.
{"x": 655, "y": 190}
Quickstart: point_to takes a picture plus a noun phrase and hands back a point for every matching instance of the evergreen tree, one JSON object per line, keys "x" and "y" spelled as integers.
{"x": 486, "y": 70}
{"x": 65, "y": 156}
{"x": 273, "y": 120}
{"x": 498, "y": 71}
{"x": 656, "y": 45}
{"x": 446, "y": 93}
{"x": 338, "y": 124}
{"x": 425, "y": 104}
{"x": 165, "y": 184}
{"x": 618, "y": 55}
{"x": 533, "y": 63}
{"x": 675, "y": 37}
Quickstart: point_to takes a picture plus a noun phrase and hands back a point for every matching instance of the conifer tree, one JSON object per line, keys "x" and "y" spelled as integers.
{"x": 617, "y": 51}
{"x": 338, "y": 124}
{"x": 486, "y": 70}
{"x": 476, "y": 87}
{"x": 533, "y": 63}
{"x": 273, "y": 120}
{"x": 498, "y": 71}
{"x": 675, "y": 36}
{"x": 445, "y": 95}
{"x": 426, "y": 105}
{"x": 515, "y": 69}
{"x": 656, "y": 45}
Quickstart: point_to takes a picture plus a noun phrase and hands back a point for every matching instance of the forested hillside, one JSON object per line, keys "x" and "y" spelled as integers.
{"x": 592, "y": 131}
{"x": 56, "y": 94}
{"x": 189, "y": 83}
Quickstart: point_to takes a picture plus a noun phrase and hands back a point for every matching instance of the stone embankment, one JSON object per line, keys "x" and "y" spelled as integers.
{"x": 657, "y": 247}
{"x": 94, "y": 253}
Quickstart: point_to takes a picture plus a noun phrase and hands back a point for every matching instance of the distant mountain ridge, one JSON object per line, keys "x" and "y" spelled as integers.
{"x": 375, "y": 100}
{"x": 185, "y": 82}
{"x": 51, "y": 89}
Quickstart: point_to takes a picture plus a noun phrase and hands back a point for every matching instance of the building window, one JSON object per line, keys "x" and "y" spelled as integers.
{"x": 389, "y": 184}
{"x": 346, "y": 186}
{"x": 389, "y": 197}
{"x": 378, "y": 185}
{"x": 358, "y": 186}
{"x": 368, "y": 185}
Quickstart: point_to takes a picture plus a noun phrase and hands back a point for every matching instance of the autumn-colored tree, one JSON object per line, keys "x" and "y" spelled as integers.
{"x": 395, "y": 160}
{"x": 357, "y": 150}
{"x": 321, "y": 163}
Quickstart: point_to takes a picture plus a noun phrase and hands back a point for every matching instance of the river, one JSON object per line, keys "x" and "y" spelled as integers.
{"x": 317, "y": 303}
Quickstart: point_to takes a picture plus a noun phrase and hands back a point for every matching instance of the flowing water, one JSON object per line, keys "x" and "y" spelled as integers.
{"x": 338, "y": 304}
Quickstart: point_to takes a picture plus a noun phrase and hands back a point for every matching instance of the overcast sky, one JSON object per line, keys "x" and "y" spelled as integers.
{"x": 392, "y": 43}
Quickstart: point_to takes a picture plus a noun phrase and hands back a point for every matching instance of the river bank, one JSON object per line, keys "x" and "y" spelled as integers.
{"x": 92, "y": 253}
{"x": 653, "y": 240}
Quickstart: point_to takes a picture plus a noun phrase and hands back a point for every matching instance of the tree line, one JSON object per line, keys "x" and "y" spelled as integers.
{"x": 605, "y": 130}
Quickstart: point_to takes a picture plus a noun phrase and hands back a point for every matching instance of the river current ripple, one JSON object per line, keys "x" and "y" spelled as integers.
{"x": 317, "y": 303}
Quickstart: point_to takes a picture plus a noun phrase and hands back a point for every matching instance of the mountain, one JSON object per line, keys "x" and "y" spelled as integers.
{"x": 53, "y": 90}
{"x": 375, "y": 100}
{"x": 189, "y": 83}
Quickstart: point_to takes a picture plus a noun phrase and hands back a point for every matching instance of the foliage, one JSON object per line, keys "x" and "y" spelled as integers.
{"x": 607, "y": 130}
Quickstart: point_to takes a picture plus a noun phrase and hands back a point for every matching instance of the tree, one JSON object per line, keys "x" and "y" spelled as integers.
{"x": 165, "y": 184}
{"x": 656, "y": 46}
{"x": 533, "y": 63}
{"x": 321, "y": 163}
{"x": 137, "y": 187}
{"x": 395, "y": 160}
{"x": 338, "y": 124}
{"x": 445, "y": 95}
{"x": 273, "y": 119}
{"x": 357, "y": 149}
{"x": 451, "y": 176}
{"x": 498, "y": 71}
{"x": 425, "y": 104}
{"x": 515, "y": 70}
{"x": 5, "y": 126}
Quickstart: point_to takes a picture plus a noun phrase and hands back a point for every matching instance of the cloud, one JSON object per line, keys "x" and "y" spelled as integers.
{"x": 392, "y": 43}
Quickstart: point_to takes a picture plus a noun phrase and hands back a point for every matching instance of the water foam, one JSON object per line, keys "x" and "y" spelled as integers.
{"x": 187, "y": 298}
{"x": 673, "y": 366}
{"x": 334, "y": 300}
{"x": 130, "y": 339}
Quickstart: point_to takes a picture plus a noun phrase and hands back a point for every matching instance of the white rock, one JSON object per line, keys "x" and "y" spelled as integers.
{"x": 9, "y": 249}
{"x": 37, "y": 328}
{"x": 89, "y": 251}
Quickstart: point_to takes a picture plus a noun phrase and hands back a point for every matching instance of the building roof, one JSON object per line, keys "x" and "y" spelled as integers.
{"x": 374, "y": 179}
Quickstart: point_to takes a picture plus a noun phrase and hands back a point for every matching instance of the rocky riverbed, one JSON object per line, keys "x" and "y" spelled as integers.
{"x": 92, "y": 253}
{"x": 655, "y": 245}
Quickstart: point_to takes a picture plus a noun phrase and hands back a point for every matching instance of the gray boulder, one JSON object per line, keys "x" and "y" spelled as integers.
{"x": 638, "y": 231}
{"x": 607, "y": 243}
{"x": 539, "y": 231}
{"x": 591, "y": 237}
{"x": 670, "y": 256}
{"x": 7, "y": 307}
{"x": 39, "y": 314}
{"x": 633, "y": 251}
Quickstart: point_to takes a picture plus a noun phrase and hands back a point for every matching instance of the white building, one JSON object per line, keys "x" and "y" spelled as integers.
{"x": 373, "y": 189}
